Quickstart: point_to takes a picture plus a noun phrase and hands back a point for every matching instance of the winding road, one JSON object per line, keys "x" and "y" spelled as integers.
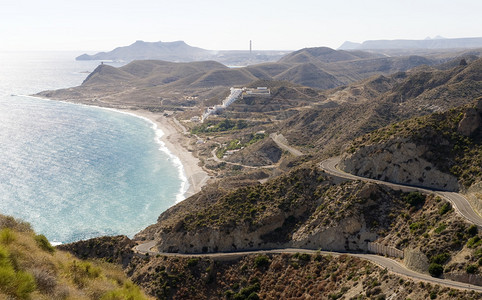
{"x": 387, "y": 263}
{"x": 460, "y": 203}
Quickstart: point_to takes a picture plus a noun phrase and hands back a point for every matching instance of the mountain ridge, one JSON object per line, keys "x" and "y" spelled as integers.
{"x": 180, "y": 51}
{"x": 473, "y": 42}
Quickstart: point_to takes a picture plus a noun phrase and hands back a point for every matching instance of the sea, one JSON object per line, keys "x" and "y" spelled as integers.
{"x": 72, "y": 171}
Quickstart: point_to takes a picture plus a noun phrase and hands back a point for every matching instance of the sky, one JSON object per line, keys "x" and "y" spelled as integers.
{"x": 102, "y": 25}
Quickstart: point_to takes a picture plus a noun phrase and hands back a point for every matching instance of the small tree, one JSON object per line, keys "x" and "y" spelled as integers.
{"x": 435, "y": 269}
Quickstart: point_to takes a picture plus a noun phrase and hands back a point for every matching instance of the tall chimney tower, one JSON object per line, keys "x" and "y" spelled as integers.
{"x": 250, "y": 47}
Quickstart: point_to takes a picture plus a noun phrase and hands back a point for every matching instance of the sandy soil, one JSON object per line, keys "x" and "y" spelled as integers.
{"x": 173, "y": 139}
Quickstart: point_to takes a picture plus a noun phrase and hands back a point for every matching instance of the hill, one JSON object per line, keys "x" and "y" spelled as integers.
{"x": 140, "y": 50}
{"x": 438, "y": 43}
{"x": 442, "y": 151}
{"x": 325, "y": 55}
{"x": 280, "y": 276}
{"x": 179, "y": 51}
{"x": 376, "y": 102}
{"x": 149, "y": 82}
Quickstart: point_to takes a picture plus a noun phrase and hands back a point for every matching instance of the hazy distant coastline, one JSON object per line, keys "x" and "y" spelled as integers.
{"x": 434, "y": 44}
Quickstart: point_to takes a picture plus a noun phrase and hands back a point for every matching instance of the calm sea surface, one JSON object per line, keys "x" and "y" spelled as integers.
{"x": 72, "y": 171}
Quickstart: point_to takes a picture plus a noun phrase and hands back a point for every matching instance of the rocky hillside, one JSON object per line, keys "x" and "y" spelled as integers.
{"x": 301, "y": 209}
{"x": 281, "y": 276}
{"x": 305, "y": 209}
{"x": 442, "y": 150}
{"x": 360, "y": 108}
{"x": 308, "y": 209}
{"x": 30, "y": 268}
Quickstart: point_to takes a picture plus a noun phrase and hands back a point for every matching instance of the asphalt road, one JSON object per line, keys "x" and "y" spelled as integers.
{"x": 382, "y": 261}
{"x": 459, "y": 202}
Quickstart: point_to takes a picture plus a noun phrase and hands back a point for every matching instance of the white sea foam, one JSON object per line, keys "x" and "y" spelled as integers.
{"x": 162, "y": 147}
{"x": 159, "y": 134}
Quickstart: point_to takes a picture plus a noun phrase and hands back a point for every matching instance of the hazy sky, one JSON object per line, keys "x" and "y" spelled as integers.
{"x": 213, "y": 24}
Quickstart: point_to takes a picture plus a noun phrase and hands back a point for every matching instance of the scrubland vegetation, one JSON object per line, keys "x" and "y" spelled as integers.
{"x": 30, "y": 268}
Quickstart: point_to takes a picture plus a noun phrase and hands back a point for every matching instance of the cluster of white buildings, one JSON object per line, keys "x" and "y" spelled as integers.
{"x": 236, "y": 93}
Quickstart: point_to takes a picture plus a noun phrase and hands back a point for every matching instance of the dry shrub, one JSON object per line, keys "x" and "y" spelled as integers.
{"x": 46, "y": 282}
{"x": 12, "y": 223}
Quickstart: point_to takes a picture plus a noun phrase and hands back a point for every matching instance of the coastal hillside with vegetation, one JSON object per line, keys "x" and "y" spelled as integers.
{"x": 360, "y": 108}
{"x": 30, "y": 268}
{"x": 280, "y": 276}
{"x": 441, "y": 150}
{"x": 303, "y": 209}
{"x": 162, "y": 85}
{"x": 268, "y": 189}
{"x": 308, "y": 209}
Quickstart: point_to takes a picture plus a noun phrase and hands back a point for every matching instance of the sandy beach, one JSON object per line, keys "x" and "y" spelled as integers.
{"x": 172, "y": 139}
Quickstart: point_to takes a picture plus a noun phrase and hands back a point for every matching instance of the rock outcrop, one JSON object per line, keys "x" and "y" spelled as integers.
{"x": 471, "y": 122}
{"x": 474, "y": 195}
{"x": 416, "y": 260}
{"x": 400, "y": 161}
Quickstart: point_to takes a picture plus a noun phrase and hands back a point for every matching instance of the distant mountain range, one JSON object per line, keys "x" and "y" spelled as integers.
{"x": 437, "y": 43}
{"x": 321, "y": 68}
{"x": 179, "y": 51}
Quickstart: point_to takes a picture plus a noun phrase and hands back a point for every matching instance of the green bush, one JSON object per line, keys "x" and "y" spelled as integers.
{"x": 414, "y": 199}
{"x": 305, "y": 257}
{"x": 474, "y": 242}
{"x": 446, "y": 207}
{"x": 472, "y": 230}
{"x": 440, "y": 259}
{"x": 17, "y": 284}
{"x": 192, "y": 262}
{"x": 43, "y": 243}
{"x": 471, "y": 269}
{"x": 435, "y": 269}
{"x": 440, "y": 228}
{"x": 253, "y": 296}
{"x": 129, "y": 292}
{"x": 81, "y": 271}
{"x": 7, "y": 236}
{"x": 261, "y": 261}
{"x": 247, "y": 292}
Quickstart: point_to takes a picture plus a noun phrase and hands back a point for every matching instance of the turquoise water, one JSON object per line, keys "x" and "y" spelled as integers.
{"x": 72, "y": 171}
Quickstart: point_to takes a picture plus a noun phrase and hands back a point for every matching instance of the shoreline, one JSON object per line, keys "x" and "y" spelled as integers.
{"x": 171, "y": 139}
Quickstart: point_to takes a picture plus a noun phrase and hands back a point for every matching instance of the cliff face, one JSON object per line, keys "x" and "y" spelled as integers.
{"x": 400, "y": 161}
